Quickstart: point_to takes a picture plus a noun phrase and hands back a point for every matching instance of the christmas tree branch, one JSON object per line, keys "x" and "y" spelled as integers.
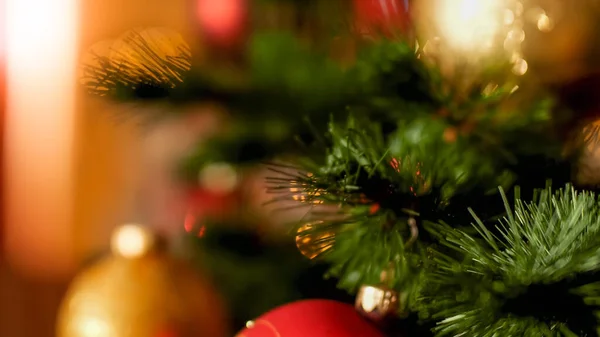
{"x": 534, "y": 275}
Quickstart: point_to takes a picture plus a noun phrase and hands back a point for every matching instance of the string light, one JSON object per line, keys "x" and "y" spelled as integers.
{"x": 218, "y": 178}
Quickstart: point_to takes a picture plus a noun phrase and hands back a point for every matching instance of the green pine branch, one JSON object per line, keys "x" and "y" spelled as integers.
{"x": 534, "y": 274}
{"x": 396, "y": 153}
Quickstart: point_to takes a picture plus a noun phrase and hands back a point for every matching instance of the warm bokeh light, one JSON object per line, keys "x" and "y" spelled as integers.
{"x": 41, "y": 52}
{"x": 131, "y": 241}
{"x": 468, "y": 25}
{"x": 223, "y": 20}
{"x": 189, "y": 224}
{"x": 90, "y": 326}
{"x": 2, "y": 33}
{"x": 219, "y": 178}
{"x": 544, "y": 23}
{"x": 371, "y": 298}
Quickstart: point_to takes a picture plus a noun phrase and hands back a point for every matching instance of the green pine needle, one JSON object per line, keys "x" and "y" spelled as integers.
{"x": 137, "y": 70}
{"x": 389, "y": 147}
{"x": 552, "y": 244}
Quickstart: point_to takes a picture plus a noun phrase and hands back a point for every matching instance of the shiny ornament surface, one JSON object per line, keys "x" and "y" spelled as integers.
{"x": 139, "y": 291}
{"x": 377, "y": 303}
{"x": 312, "y": 244}
{"x": 314, "y": 318}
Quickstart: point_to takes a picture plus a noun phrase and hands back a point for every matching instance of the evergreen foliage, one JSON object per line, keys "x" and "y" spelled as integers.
{"x": 534, "y": 274}
{"x": 388, "y": 155}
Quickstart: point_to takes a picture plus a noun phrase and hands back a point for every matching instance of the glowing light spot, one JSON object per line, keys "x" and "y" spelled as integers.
{"x": 219, "y": 178}
{"x": 202, "y": 231}
{"x": 395, "y": 164}
{"x": 371, "y": 297}
{"x": 469, "y": 24}
{"x": 92, "y": 327}
{"x": 520, "y": 67}
{"x": 223, "y": 20}
{"x": 40, "y": 57}
{"x": 509, "y": 17}
{"x": 131, "y": 241}
{"x": 516, "y": 34}
{"x": 544, "y": 23}
{"x": 519, "y": 9}
{"x": 189, "y": 221}
{"x": 189, "y": 224}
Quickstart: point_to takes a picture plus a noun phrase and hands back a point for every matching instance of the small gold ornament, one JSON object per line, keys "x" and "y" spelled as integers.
{"x": 378, "y": 303}
{"x": 140, "y": 291}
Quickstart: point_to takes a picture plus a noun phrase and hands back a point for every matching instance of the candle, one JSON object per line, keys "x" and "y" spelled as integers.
{"x": 2, "y": 105}
{"x": 2, "y": 40}
{"x": 39, "y": 134}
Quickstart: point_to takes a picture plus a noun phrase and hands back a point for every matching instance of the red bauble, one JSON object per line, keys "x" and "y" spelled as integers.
{"x": 315, "y": 318}
{"x": 382, "y": 16}
{"x": 207, "y": 204}
{"x": 211, "y": 203}
{"x": 222, "y": 21}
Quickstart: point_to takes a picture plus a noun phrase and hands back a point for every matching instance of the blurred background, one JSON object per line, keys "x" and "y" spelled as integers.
{"x": 75, "y": 166}
{"x": 74, "y": 169}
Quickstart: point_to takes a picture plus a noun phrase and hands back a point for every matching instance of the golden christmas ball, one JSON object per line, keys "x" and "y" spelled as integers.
{"x": 140, "y": 291}
{"x": 377, "y": 303}
{"x": 380, "y": 303}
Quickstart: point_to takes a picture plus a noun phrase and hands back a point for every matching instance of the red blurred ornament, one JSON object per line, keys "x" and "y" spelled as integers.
{"x": 204, "y": 203}
{"x": 315, "y": 318}
{"x": 382, "y": 16}
{"x": 374, "y": 208}
{"x": 222, "y": 21}
{"x": 211, "y": 203}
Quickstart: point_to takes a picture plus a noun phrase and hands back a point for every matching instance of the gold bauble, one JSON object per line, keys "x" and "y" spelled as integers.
{"x": 377, "y": 303}
{"x": 139, "y": 291}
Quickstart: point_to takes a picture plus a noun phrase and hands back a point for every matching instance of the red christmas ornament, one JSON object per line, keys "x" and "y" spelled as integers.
{"x": 204, "y": 203}
{"x": 211, "y": 203}
{"x": 315, "y": 318}
{"x": 382, "y": 16}
{"x": 222, "y": 21}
